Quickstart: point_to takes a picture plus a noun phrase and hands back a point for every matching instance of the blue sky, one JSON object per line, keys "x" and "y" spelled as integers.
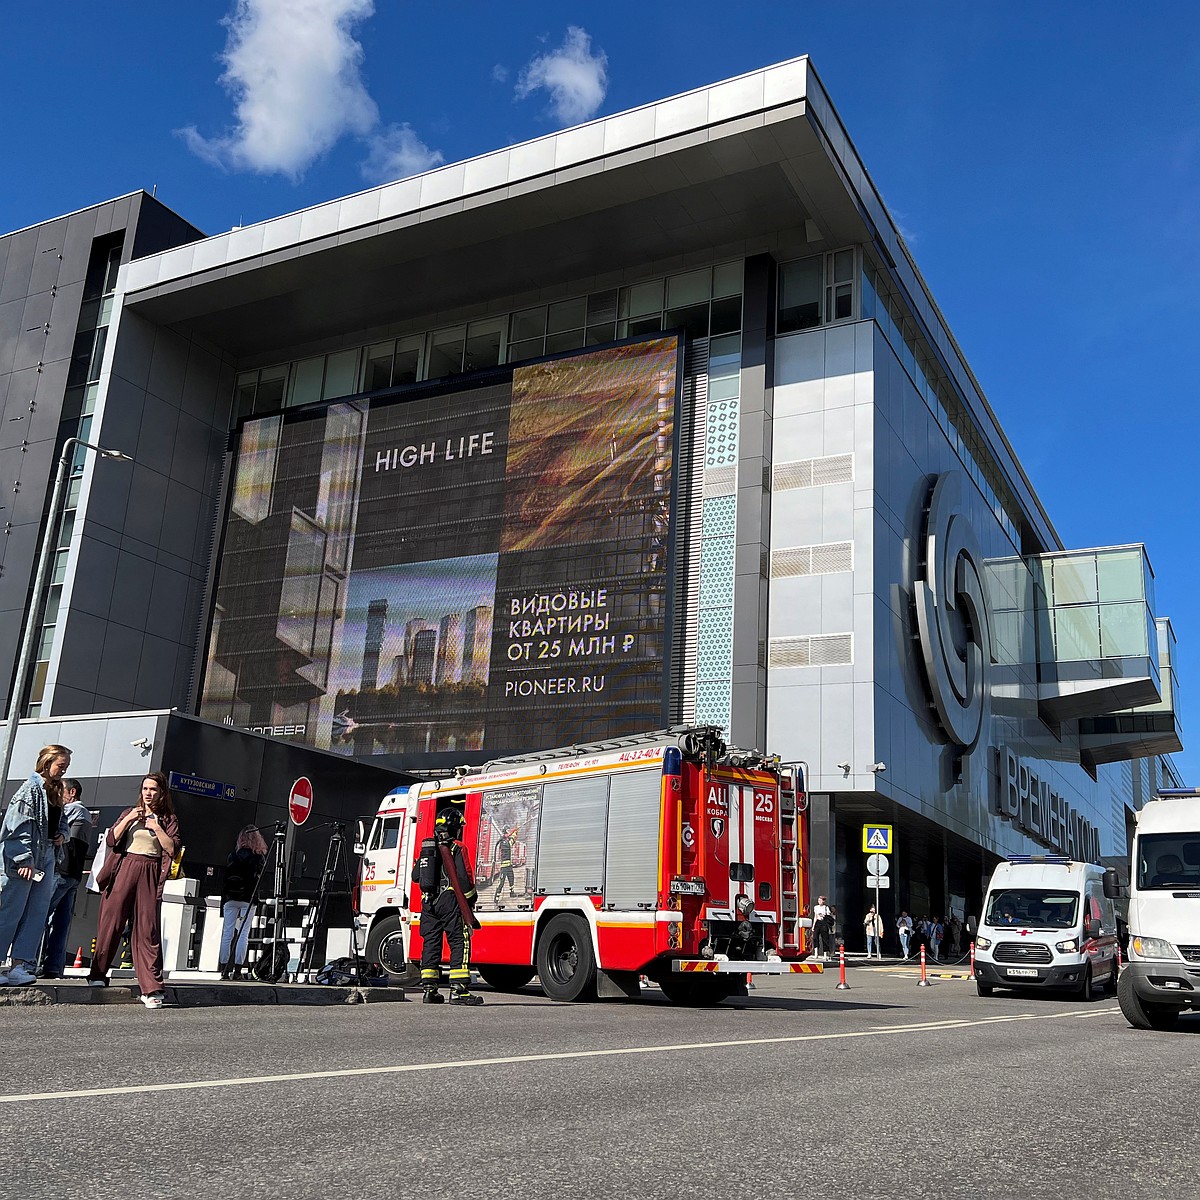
{"x": 1042, "y": 159}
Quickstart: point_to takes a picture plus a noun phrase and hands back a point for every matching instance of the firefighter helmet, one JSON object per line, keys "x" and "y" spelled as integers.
{"x": 448, "y": 824}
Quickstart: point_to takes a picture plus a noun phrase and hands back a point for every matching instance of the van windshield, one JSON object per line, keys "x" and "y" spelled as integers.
{"x": 1039, "y": 907}
{"x": 1168, "y": 860}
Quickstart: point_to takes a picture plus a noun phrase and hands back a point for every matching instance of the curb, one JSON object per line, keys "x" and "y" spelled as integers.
{"x": 184, "y": 995}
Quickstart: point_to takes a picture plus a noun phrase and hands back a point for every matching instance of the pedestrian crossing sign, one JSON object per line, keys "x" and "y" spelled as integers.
{"x": 877, "y": 839}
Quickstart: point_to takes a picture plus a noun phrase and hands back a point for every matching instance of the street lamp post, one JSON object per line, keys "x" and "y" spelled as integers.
{"x": 49, "y": 537}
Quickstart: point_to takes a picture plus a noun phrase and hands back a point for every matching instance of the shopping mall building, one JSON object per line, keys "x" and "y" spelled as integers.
{"x": 647, "y": 422}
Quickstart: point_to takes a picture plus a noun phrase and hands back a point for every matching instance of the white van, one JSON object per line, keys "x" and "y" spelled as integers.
{"x": 1046, "y": 924}
{"x": 1162, "y": 972}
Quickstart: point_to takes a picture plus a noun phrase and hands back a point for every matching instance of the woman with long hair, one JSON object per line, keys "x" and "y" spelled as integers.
{"x": 27, "y": 837}
{"x": 241, "y": 877}
{"x": 141, "y": 846}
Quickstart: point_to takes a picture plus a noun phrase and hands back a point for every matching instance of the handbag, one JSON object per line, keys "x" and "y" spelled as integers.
{"x": 104, "y": 875}
{"x": 176, "y": 863}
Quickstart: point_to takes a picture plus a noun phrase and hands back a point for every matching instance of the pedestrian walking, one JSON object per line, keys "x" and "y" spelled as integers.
{"x": 936, "y": 932}
{"x": 904, "y": 927}
{"x": 31, "y": 824}
{"x": 822, "y": 936}
{"x": 873, "y": 926}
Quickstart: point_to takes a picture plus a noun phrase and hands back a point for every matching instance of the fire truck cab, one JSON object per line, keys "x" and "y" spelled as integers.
{"x": 668, "y": 855}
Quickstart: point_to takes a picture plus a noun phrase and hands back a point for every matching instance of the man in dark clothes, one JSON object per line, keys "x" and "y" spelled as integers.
{"x": 448, "y": 897}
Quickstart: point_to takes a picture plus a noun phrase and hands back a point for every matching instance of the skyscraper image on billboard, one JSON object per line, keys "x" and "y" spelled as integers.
{"x": 454, "y": 569}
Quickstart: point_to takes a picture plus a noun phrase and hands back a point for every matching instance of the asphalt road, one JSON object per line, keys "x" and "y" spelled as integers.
{"x": 885, "y": 1090}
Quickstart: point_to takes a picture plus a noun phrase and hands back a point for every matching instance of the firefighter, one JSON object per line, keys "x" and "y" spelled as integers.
{"x": 448, "y": 896}
{"x": 504, "y": 856}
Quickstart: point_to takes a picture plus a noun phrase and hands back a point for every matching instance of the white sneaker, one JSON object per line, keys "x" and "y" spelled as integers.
{"x": 154, "y": 1000}
{"x": 17, "y": 976}
{"x": 97, "y": 983}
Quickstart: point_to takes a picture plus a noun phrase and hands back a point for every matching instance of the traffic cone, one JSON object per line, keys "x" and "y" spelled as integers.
{"x": 842, "y": 986}
{"x": 78, "y": 958}
{"x": 923, "y": 982}
{"x": 972, "y": 959}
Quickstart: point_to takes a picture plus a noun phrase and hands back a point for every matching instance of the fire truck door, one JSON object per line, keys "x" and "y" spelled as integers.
{"x": 741, "y": 841}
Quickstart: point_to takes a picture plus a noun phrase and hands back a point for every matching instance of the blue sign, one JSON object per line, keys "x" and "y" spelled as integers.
{"x": 193, "y": 785}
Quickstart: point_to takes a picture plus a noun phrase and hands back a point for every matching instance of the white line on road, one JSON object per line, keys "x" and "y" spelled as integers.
{"x": 458, "y": 1064}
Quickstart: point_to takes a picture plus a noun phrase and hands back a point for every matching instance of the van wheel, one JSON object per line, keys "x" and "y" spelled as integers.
{"x": 385, "y": 945}
{"x": 505, "y": 979}
{"x": 1085, "y": 988}
{"x": 566, "y": 963}
{"x": 1140, "y": 1014}
{"x": 984, "y": 989}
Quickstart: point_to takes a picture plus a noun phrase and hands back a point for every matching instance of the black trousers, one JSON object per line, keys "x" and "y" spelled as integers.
{"x": 442, "y": 919}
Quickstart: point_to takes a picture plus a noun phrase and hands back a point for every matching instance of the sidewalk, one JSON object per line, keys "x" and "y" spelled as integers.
{"x": 200, "y": 994}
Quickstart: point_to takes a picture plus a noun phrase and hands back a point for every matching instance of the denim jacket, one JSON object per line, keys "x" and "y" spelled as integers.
{"x": 25, "y": 833}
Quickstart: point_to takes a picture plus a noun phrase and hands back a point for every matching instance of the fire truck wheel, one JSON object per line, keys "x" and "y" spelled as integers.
{"x": 505, "y": 979}
{"x": 694, "y": 991}
{"x": 385, "y": 945}
{"x": 566, "y": 964}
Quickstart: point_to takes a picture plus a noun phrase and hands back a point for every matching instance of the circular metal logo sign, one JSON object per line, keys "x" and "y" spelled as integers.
{"x": 953, "y": 618}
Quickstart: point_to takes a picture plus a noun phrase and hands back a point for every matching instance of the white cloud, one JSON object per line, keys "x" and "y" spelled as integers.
{"x": 576, "y": 79}
{"x": 293, "y": 68}
{"x": 396, "y": 152}
{"x": 499, "y": 73}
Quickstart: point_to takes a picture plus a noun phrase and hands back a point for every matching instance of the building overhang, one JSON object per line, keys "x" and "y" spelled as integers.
{"x": 730, "y": 165}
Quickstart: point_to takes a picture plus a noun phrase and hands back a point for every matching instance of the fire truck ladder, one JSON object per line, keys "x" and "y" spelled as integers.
{"x": 700, "y": 736}
{"x": 791, "y": 933}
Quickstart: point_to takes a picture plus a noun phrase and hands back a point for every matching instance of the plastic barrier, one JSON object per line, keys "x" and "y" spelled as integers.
{"x": 842, "y": 986}
{"x": 923, "y": 982}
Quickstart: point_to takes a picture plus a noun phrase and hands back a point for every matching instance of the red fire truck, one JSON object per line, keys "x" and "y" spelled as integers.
{"x": 668, "y": 855}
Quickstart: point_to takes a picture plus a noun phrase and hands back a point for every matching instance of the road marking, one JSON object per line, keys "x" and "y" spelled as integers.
{"x": 559, "y": 1056}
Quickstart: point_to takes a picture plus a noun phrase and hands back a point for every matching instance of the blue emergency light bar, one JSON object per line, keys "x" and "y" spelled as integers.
{"x": 1175, "y": 793}
{"x": 1057, "y": 859}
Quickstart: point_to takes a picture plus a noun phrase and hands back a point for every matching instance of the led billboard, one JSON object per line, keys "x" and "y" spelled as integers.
{"x": 474, "y": 568}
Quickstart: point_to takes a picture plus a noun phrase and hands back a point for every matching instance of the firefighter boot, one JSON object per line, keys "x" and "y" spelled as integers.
{"x": 433, "y": 996}
{"x": 460, "y": 995}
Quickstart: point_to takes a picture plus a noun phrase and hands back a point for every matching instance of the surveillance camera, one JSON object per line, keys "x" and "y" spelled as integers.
{"x": 844, "y": 766}
{"x": 142, "y": 744}
{"x": 877, "y": 767}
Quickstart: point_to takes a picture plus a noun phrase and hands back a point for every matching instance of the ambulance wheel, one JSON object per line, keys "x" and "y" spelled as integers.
{"x": 694, "y": 991}
{"x": 566, "y": 964}
{"x": 1085, "y": 988}
{"x": 505, "y": 979}
{"x": 385, "y": 945}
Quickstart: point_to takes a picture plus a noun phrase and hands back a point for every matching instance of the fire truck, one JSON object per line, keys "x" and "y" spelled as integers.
{"x": 668, "y": 855}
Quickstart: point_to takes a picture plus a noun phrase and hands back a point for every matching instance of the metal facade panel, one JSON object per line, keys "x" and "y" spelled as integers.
{"x": 631, "y": 867}
{"x": 571, "y": 845}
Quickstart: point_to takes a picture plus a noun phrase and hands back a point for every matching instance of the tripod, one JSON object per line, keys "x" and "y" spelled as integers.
{"x": 336, "y": 869}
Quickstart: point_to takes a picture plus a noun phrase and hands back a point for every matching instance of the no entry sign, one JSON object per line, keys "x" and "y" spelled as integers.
{"x": 300, "y": 802}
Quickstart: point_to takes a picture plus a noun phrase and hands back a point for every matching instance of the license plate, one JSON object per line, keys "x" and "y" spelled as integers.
{"x": 1022, "y": 972}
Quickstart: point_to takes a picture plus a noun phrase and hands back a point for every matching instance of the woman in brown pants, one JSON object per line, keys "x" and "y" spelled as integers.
{"x": 141, "y": 846}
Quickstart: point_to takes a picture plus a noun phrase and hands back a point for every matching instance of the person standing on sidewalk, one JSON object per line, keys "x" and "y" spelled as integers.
{"x": 141, "y": 846}
{"x": 873, "y": 925}
{"x": 822, "y": 937}
{"x": 241, "y": 878}
{"x": 904, "y": 927}
{"x": 27, "y": 836}
{"x": 76, "y": 829}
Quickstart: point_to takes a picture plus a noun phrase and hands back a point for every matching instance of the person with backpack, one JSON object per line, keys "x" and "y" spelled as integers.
{"x": 241, "y": 878}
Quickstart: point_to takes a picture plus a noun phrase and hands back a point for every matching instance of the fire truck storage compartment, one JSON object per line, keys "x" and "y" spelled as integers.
{"x": 600, "y": 835}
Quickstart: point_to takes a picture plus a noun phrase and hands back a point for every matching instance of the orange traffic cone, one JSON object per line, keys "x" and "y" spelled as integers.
{"x": 78, "y": 958}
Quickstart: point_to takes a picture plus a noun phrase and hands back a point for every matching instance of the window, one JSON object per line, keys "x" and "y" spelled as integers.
{"x": 799, "y": 295}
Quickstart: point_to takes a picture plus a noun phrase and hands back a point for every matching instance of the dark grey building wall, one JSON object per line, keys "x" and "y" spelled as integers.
{"x": 130, "y": 638}
{"x": 42, "y": 275}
